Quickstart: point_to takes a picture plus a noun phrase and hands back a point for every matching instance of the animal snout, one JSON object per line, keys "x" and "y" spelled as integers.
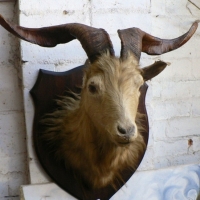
{"x": 126, "y": 131}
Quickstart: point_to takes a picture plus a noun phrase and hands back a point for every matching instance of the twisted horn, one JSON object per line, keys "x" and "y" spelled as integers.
{"x": 94, "y": 41}
{"x": 136, "y": 41}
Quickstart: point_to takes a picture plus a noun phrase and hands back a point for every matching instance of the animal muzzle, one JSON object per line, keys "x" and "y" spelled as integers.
{"x": 126, "y": 134}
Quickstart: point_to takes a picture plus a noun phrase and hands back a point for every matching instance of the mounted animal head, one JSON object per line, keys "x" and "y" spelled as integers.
{"x": 111, "y": 85}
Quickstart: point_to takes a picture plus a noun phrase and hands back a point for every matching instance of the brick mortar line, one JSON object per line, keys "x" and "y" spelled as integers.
{"x": 121, "y": 11}
{"x": 30, "y": 12}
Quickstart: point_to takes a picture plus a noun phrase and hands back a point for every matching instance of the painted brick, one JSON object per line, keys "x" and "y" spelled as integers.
{"x": 167, "y": 148}
{"x": 147, "y": 60}
{"x": 7, "y": 9}
{"x": 149, "y": 94}
{"x": 184, "y": 159}
{"x": 193, "y": 7}
{"x": 16, "y": 163}
{"x": 170, "y": 109}
{"x": 195, "y": 109}
{"x": 51, "y": 19}
{"x": 37, "y": 175}
{"x": 171, "y": 7}
{"x": 147, "y": 162}
{"x": 194, "y": 89}
{"x": 116, "y": 44}
{"x": 11, "y": 100}
{"x": 10, "y": 144}
{"x": 3, "y": 186}
{"x": 184, "y": 126}
{"x": 172, "y": 90}
{"x": 158, "y": 130}
{"x": 14, "y": 122}
{"x": 151, "y": 139}
{"x": 8, "y": 77}
{"x": 69, "y": 64}
{"x": 64, "y": 53}
{"x": 14, "y": 179}
{"x": 111, "y": 22}
{"x": 29, "y": 116}
{"x": 196, "y": 68}
{"x": 6, "y": 48}
{"x": 158, "y": 7}
{"x": 196, "y": 142}
{"x": 178, "y": 70}
{"x": 49, "y": 5}
{"x": 12, "y": 130}
{"x": 196, "y": 2}
{"x": 165, "y": 27}
{"x": 162, "y": 162}
{"x": 143, "y": 5}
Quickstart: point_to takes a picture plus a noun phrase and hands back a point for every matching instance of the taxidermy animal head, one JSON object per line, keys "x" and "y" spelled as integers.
{"x": 97, "y": 133}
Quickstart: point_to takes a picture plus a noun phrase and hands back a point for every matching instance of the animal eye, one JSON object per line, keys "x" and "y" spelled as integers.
{"x": 92, "y": 88}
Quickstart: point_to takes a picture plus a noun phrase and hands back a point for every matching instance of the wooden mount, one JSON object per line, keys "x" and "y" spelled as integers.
{"x": 48, "y": 87}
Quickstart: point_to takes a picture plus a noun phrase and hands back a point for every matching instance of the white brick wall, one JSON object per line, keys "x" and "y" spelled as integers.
{"x": 13, "y": 172}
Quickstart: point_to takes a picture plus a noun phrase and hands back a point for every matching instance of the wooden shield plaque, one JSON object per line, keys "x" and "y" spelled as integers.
{"x": 48, "y": 87}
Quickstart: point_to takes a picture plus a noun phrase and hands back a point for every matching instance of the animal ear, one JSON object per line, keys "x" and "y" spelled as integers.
{"x": 153, "y": 70}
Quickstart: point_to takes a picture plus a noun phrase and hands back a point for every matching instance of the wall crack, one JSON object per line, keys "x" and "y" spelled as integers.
{"x": 194, "y": 4}
{"x": 191, "y": 2}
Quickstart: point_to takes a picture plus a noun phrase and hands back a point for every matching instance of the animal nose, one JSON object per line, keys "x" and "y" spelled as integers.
{"x": 130, "y": 130}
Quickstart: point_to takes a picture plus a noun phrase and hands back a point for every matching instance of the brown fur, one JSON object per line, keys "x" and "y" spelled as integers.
{"x": 84, "y": 129}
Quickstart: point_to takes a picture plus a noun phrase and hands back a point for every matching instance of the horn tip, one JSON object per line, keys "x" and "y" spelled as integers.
{"x": 160, "y": 62}
{"x": 168, "y": 63}
{"x": 1, "y": 17}
{"x": 196, "y": 22}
